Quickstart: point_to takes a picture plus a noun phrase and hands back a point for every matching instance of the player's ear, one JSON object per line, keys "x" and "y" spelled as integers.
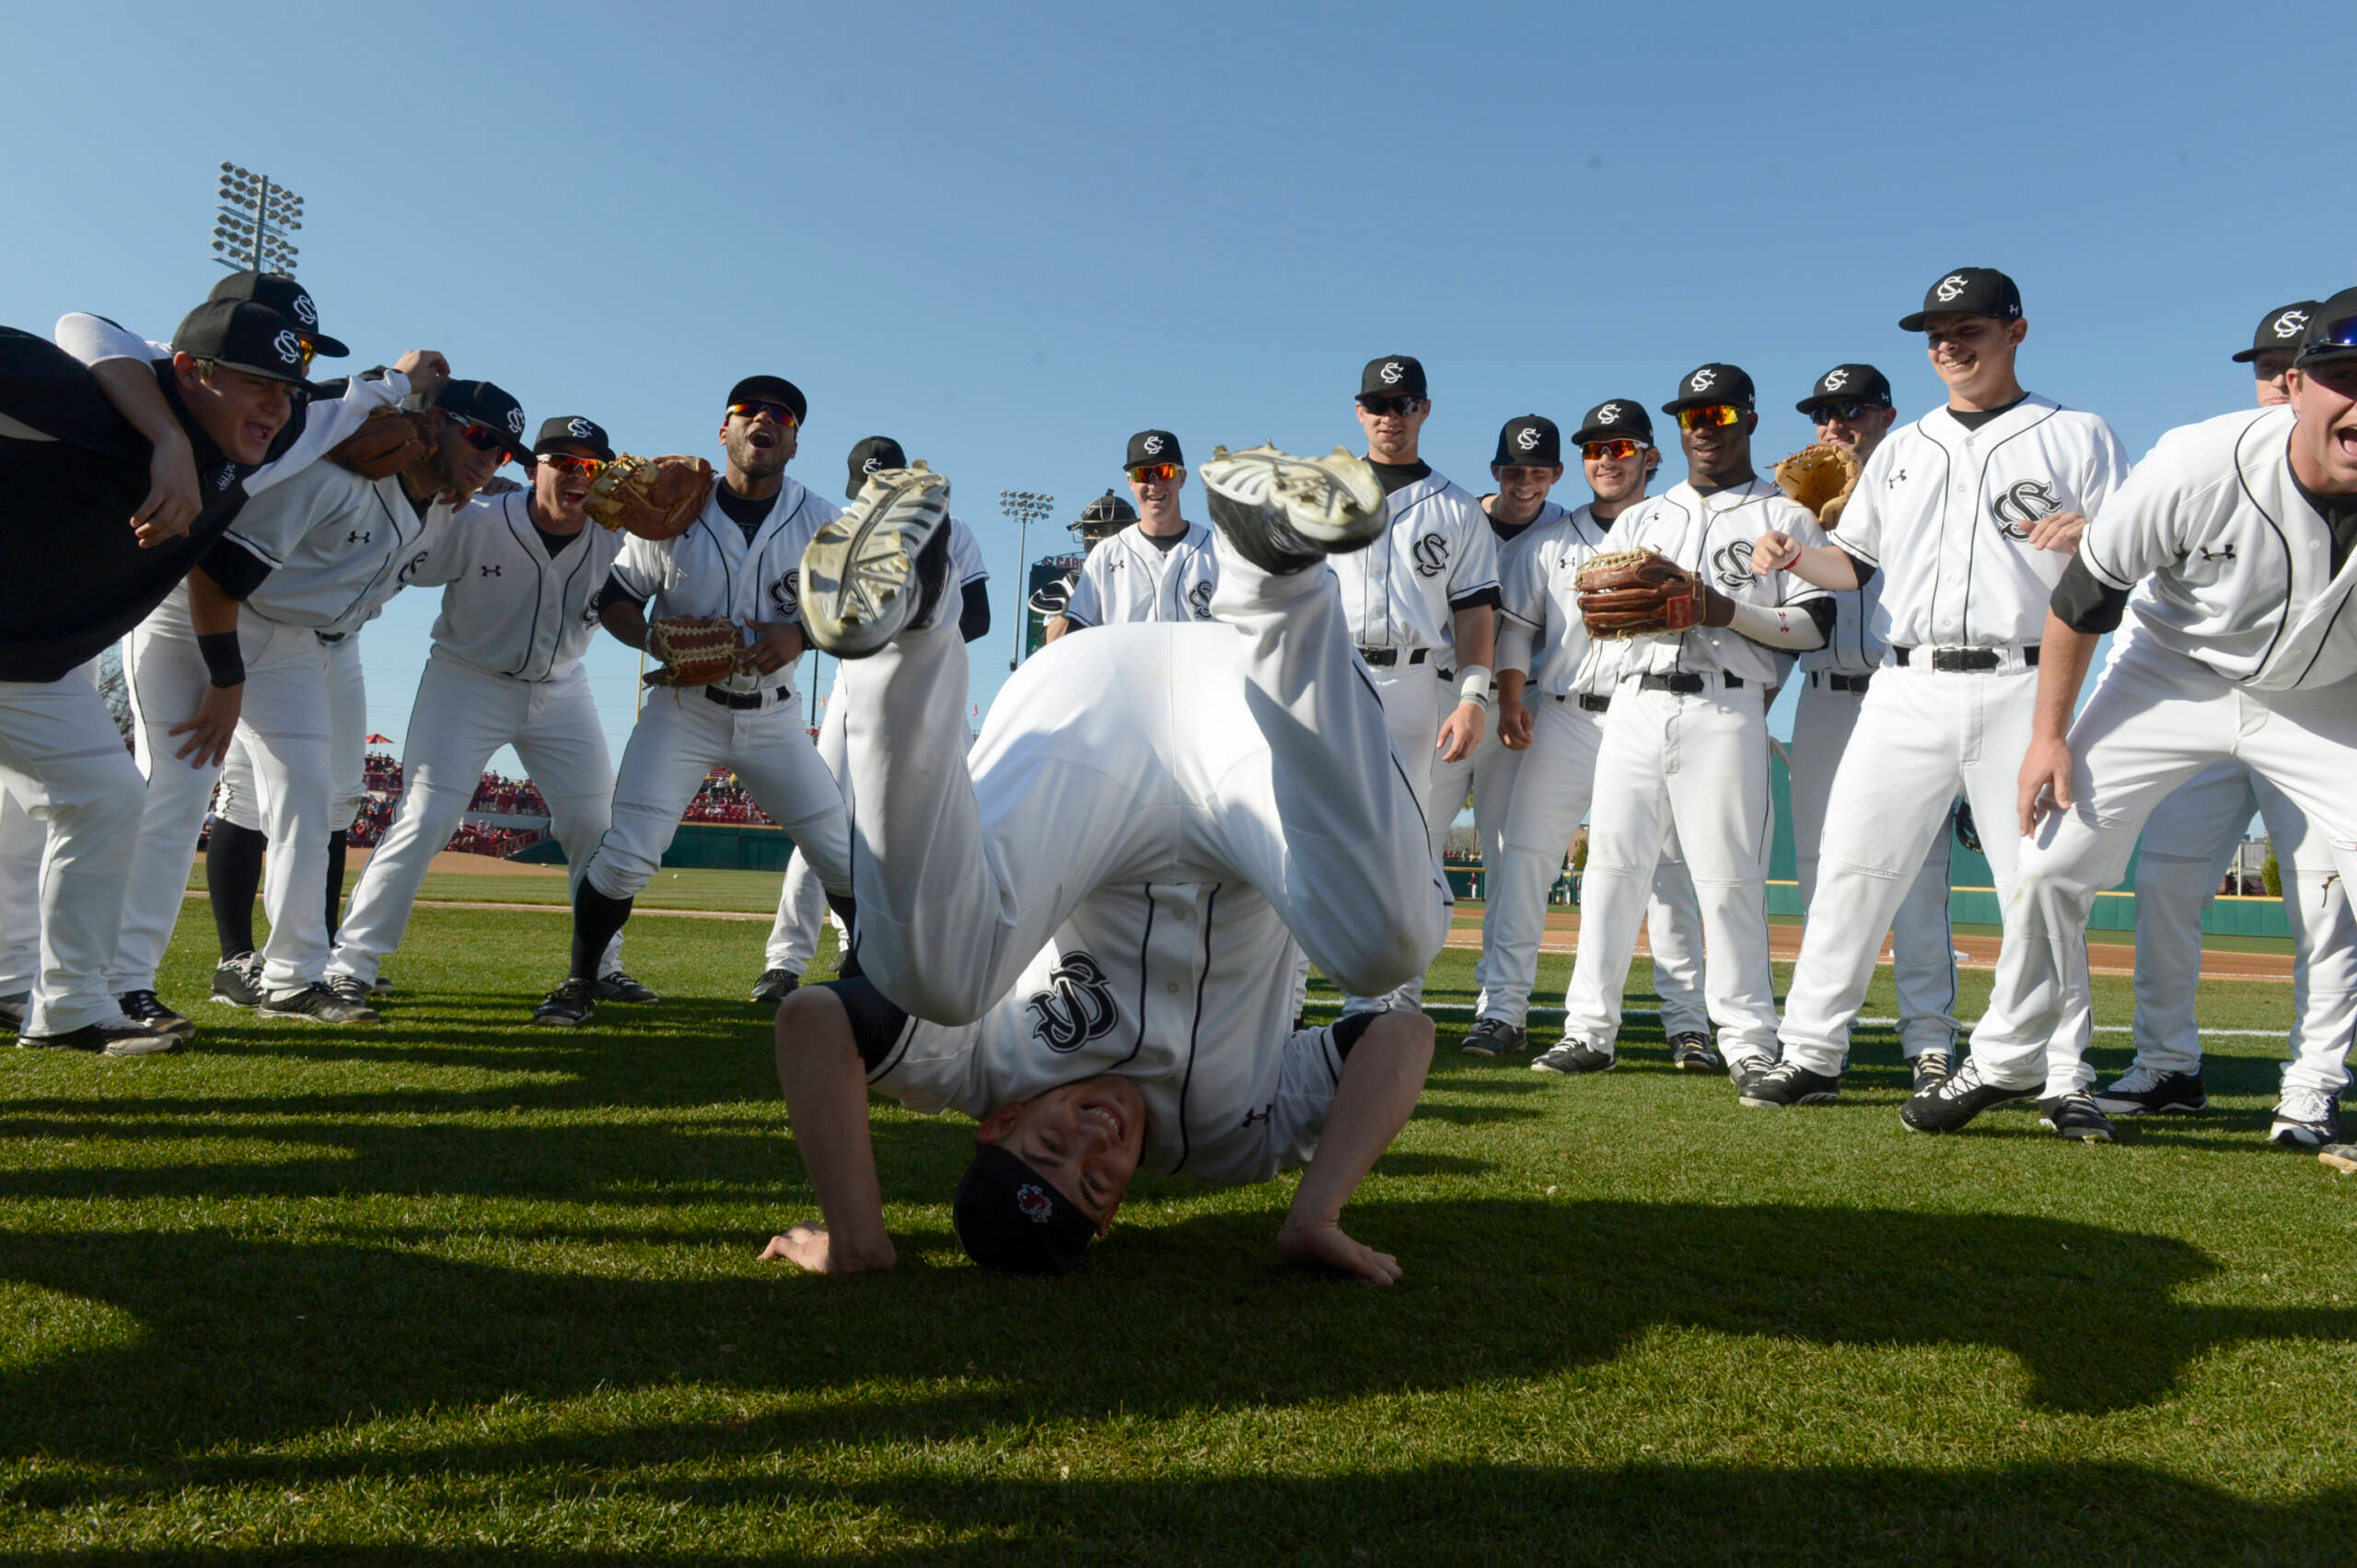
{"x": 999, "y": 1123}
{"x": 1559, "y": 475}
{"x": 1105, "y": 1224}
{"x": 2016, "y": 330}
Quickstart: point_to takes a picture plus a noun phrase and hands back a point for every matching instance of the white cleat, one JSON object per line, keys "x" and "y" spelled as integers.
{"x": 872, "y": 572}
{"x": 1285, "y": 514}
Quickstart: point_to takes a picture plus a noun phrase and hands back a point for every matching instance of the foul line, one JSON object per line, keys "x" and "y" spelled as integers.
{"x": 1884, "y": 1023}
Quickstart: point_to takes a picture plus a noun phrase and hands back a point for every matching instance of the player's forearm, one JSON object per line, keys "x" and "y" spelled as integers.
{"x": 1476, "y": 636}
{"x": 1510, "y": 686}
{"x": 625, "y": 620}
{"x": 130, "y": 385}
{"x": 1381, "y": 1079}
{"x": 1057, "y": 626}
{"x": 1827, "y": 566}
{"x": 826, "y": 1108}
{"x": 2064, "y": 655}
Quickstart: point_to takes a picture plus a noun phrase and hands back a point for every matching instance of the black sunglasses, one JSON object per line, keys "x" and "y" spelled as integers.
{"x": 480, "y": 436}
{"x": 1381, "y": 403}
{"x": 1850, "y": 412}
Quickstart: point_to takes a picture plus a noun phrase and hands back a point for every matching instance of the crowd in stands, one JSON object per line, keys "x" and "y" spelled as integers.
{"x": 509, "y": 797}
{"x": 482, "y": 838}
{"x": 381, "y": 772}
{"x": 370, "y": 825}
{"x": 722, "y": 799}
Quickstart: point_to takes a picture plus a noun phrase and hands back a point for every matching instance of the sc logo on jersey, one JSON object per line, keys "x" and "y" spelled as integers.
{"x": 1432, "y": 555}
{"x": 785, "y": 598}
{"x": 2022, "y": 504}
{"x": 1199, "y": 601}
{"x": 1731, "y": 564}
{"x": 1076, "y": 1007}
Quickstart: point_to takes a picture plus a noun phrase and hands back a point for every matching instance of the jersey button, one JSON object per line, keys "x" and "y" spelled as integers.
{"x": 1172, "y": 988}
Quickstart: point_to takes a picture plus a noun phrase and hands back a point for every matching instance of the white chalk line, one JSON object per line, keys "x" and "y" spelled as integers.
{"x": 1453, "y": 1007}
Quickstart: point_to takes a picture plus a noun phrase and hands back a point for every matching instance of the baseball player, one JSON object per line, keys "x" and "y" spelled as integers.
{"x": 307, "y": 566}
{"x": 1077, "y": 934}
{"x": 738, "y": 562}
{"x": 520, "y": 577}
{"x": 120, "y": 474}
{"x": 1160, "y": 567}
{"x": 1851, "y": 406}
{"x": 2225, "y": 555}
{"x": 801, "y": 902}
{"x": 2187, "y": 843}
{"x": 1421, "y": 599}
{"x": 1685, "y": 742}
{"x": 1969, "y": 514}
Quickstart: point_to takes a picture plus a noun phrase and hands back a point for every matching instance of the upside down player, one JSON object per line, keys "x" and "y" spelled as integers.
{"x": 1081, "y": 942}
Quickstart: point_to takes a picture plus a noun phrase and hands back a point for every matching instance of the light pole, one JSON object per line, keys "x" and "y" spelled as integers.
{"x": 251, "y": 223}
{"x": 1026, "y": 508}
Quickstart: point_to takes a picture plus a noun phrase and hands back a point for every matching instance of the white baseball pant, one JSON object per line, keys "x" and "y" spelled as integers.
{"x": 1934, "y": 733}
{"x": 1550, "y": 800}
{"x": 239, "y": 799}
{"x": 462, "y": 715}
{"x": 64, "y": 765}
{"x": 1674, "y": 933}
{"x": 2155, "y": 720}
{"x": 2188, "y": 841}
{"x": 1412, "y": 705}
{"x": 22, "y": 842}
{"x": 1487, "y": 773}
{"x": 1922, "y": 939}
{"x": 1696, "y": 764}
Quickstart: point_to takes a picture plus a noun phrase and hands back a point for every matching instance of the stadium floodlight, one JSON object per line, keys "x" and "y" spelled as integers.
{"x": 252, "y": 221}
{"x": 1026, "y": 508}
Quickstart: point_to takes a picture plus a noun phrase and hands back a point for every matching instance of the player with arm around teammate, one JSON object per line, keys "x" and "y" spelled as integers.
{"x": 1077, "y": 936}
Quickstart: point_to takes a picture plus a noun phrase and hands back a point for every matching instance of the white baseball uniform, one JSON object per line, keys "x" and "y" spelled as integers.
{"x": 2238, "y": 645}
{"x": 801, "y": 902}
{"x": 239, "y": 799}
{"x": 1685, "y": 745}
{"x": 749, "y": 723}
{"x": 1401, "y": 596}
{"x": 1129, "y": 577}
{"x": 1942, "y": 512}
{"x": 1106, "y": 884}
{"x": 1673, "y": 932}
{"x": 505, "y": 671}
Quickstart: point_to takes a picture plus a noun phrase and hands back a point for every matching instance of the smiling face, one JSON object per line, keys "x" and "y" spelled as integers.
{"x": 242, "y": 413}
{"x": 1158, "y": 498}
{"x": 466, "y": 465}
{"x": 1085, "y": 1138}
{"x": 1617, "y": 481}
{"x": 1720, "y": 454}
{"x": 1974, "y": 354}
{"x": 1861, "y": 435}
{"x": 559, "y": 491}
{"x": 757, "y": 445}
{"x": 1524, "y": 487}
{"x": 1392, "y": 434}
{"x": 2324, "y": 443}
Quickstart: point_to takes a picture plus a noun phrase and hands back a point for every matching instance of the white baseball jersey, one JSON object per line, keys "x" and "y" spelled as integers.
{"x": 1129, "y": 577}
{"x": 1540, "y": 630}
{"x": 338, "y": 546}
{"x": 1944, "y": 514}
{"x": 1851, "y": 645}
{"x": 965, "y": 555}
{"x": 509, "y": 607}
{"x": 712, "y": 570}
{"x": 1437, "y": 557}
{"x": 2230, "y": 564}
{"x": 1711, "y": 536}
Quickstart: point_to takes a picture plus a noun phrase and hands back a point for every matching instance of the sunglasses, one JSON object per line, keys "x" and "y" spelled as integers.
{"x": 565, "y": 462}
{"x": 480, "y": 436}
{"x": 1709, "y": 416}
{"x": 1850, "y": 412}
{"x": 1382, "y": 404}
{"x": 1618, "y": 450}
{"x": 755, "y": 408}
{"x": 1164, "y": 472}
{"x": 2335, "y": 334}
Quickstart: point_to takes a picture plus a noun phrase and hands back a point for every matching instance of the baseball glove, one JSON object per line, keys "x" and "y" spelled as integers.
{"x": 1636, "y": 593}
{"x": 695, "y": 650}
{"x": 388, "y": 441}
{"x": 1820, "y": 478}
{"x": 655, "y": 498}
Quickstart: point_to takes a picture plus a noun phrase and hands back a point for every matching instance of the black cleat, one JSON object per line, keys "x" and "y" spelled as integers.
{"x": 1491, "y": 1037}
{"x": 237, "y": 981}
{"x": 350, "y": 989}
{"x": 119, "y": 1037}
{"x": 1692, "y": 1052}
{"x": 2075, "y": 1115}
{"x": 616, "y": 986}
{"x": 1574, "y": 1058}
{"x": 12, "y": 1008}
{"x": 1286, "y": 514}
{"x": 1957, "y": 1101}
{"x": 568, "y": 1006}
{"x": 1749, "y": 1071}
{"x": 141, "y": 1008}
{"x": 775, "y": 986}
{"x": 2142, "y": 1091}
{"x": 317, "y": 1004}
{"x": 1932, "y": 1069}
{"x": 1788, "y": 1084}
{"x": 881, "y": 566}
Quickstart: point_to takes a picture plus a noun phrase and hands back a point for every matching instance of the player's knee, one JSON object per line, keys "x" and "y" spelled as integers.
{"x": 813, "y": 1024}
{"x": 1408, "y": 1033}
{"x": 114, "y": 800}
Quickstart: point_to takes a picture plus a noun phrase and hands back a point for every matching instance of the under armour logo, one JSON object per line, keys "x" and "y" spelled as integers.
{"x": 227, "y": 476}
{"x": 1837, "y": 379}
{"x": 2291, "y": 324}
{"x": 1949, "y": 288}
{"x": 2022, "y": 504}
{"x": 1703, "y": 379}
{"x": 2223, "y": 553}
{"x": 1391, "y": 373}
{"x": 581, "y": 430}
{"x": 1897, "y": 478}
{"x": 1266, "y": 1113}
{"x": 493, "y": 572}
{"x": 1526, "y": 438}
{"x": 516, "y": 421}
{"x": 288, "y": 347}
{"x": 356, "y": 536}
{"x": 1432, "y": 555}
{"x": 1154, "y": 445}
{"x": 1608, "y": 414}
{"x": 1732, "y": 564}
{"x": 1076, "y": 1007}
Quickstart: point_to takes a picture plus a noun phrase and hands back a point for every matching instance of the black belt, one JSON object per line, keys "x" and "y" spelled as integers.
{"x": 1384, "y": 658}
{"x": 741, "y": 701}
{"x": 1956, "y": 659}
{"x": 331, "y": 638}
{"x": 1842, "y": 682}
{"x": 1591, "y": 702}
{"x": 1685, "y": 685}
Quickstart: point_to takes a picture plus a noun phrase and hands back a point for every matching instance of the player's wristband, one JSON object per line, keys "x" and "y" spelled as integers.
{"x": 223, "y": 659}
{"x": 1473, "y": 685}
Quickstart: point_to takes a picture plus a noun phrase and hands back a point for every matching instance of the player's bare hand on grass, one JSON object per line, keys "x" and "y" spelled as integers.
{"x": 2058, "y": 532}
{"x": 1513, "y": 725}
{"x": 809, "y": 1246}
{"x": 173, "y": 500}
{"x": 776, "y": 643}
{"x": 1461, "y": 733}
{"x": 2045, "y": 782}
{"x": 1329, "y": 1247}
{"x": 211, "y": 728}
{"x": 426, "y": 370}
{"x": 1773, "y": 551}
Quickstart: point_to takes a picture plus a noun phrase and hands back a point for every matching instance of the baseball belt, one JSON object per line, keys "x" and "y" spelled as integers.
{"x": 1588, "y": 700}
{"x": 1839, "y": 682}
{"x": 743, "y": 700}
{"x": 1384, "y": 658}
{"x": 1685, "y": 685}
{"x": 1964, "y": 659}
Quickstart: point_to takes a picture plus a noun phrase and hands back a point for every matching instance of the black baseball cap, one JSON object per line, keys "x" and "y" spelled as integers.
{"x": 1615, "y": 418}
{"x": 1153, "y": 447}
{"x": 771, "y": 389}
{"x": 2281, "y": 328}
{"x": 1968, "y": 291}
{"x": 1529, "y": 440}
{"x": 1847, "y": 383}
{"x": 1713, "y": 383}
{"x": 245, "y": 336}
{"x": 2331, "y": 334}
{"x": 572, "y": 430}
{"x": 489, "y": 406}
{"x": 871, "y": 455}
{"x": 287, "y": 297}
{"x": 1009, "y": 1217}
{"x": 1394, "y": 374}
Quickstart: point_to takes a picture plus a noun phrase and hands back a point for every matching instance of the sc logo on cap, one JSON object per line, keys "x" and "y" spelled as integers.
{"x": 288, "y": 346}
{"x": 1391, "y": 373}
{"x": 581, "y": 430}
{"x": 873, "y": 465}
{"x": 1703, "y": 379}
{"x": 1154, "y": 445}
{"x": 304, "y": 311}
{"x": 1836, "y": 379}
{"x": 2291, "y": 324}
{"x": 1608, "y": 414}
{"x": 1949, "y": 288}
{"x": 1526, "y": 438}
{"x": 514, "y": 422}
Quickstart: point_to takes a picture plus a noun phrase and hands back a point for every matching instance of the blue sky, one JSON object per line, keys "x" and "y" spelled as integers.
{"x": 1012, "y": 236}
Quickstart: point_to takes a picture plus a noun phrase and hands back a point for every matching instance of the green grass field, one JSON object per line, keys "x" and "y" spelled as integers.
{"x": 456, "y": 1289}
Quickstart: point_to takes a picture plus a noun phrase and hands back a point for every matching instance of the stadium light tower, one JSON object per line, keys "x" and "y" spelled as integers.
{"x": 251, "y": 225}
{"x": 1026, "y": 508}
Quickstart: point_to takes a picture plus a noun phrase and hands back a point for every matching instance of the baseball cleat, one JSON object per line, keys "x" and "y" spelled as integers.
{"x": 1957, "y": 1100}
{"x": 237, "y": 981}
{"x": 1693, "y": 1052}
{"x": 12, "y": 1008}
{"x": 1746, "y": 1071}
{"x": 350, "y": 989}
{"x": 1574, "y": 1058}
{"x": 615, "y": 985}
{"x": 2144, "y": 1091}
{"x": 880, "y": 566}
{"x": 141, "y": 1008}
{"x": 1788, "y": 1084}
{"x": 2075, "y": 1115}
{"x": 316, "y": 1003}
{"x": 2341, "y": 1156}
{"x": 1285, "y": 514}
{"x": 568, "y": 1006}
{"x": 115, "y": 1037}
{"x": 1932, "y": 1069}
{"x": 1492, "y": 1038}
{"x": 775, "y": 985}
{"x": 2306, "y": 1119}
{"x": 380, "y": 986}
